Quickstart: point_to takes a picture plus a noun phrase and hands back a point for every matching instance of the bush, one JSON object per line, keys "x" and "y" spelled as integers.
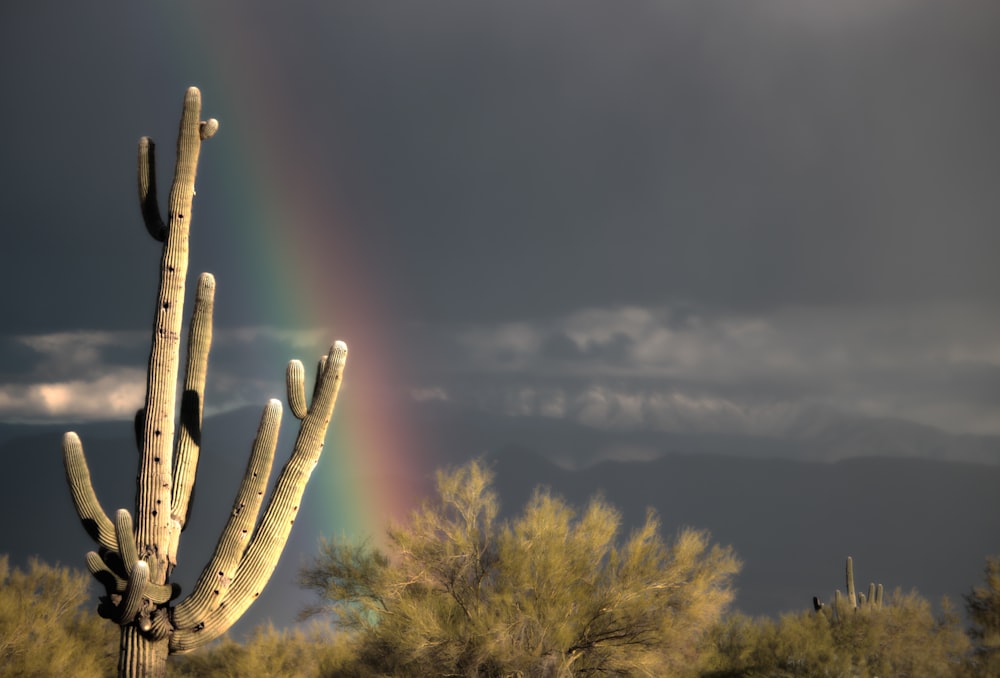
{"x": 305, "y": 653}
{"x": 901, "y": 639}
{"x": 552, "y": 592}
{"x": 43, "y": 629}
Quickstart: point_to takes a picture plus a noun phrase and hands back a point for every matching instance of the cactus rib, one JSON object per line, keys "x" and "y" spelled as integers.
{"x": 147, "y": 190}
{"x": 126, "y": 539}
{"x": 93, "y": 517}
{"x": 188, "y": 447}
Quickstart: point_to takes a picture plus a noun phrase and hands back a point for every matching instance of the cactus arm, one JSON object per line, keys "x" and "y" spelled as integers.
{"x": 93, "y": 517}
{"x": 104, "y": 574}
{"x": 115, "y": 584}
{"x": 215, "y": 579}
{"x": 192, "y": 406}
{"x": 132, "y": 599}
{"x": 269, "y": 540}
{"x": 147, "y": 190}
{"x": 208, "y": 128}
{"x": 127, "y": 550}
{"x": 265, "y": 548}
{"x": 320, "y": 371}
{"x": 295, "y": 380}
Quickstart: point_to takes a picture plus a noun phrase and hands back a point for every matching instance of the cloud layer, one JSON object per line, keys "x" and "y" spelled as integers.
{"x": 88, "y": 375}
{"x": 691, "y": 370}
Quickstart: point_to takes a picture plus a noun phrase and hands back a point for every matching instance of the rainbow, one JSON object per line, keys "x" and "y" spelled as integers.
{"x": 310, "y": 273}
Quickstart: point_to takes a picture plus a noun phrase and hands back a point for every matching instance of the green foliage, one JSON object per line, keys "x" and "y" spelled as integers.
{"x": 309, "y": 653}
{"x": 43, "y": 629}
{"x": 552, "y": 592}
{"x": 853, "y": 635}
{"x": 983, "y": 606}
{"x": 901, "y": 639}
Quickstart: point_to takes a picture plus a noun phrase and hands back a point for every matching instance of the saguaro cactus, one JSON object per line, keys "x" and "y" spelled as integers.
{"x": 134, "y": 560}
{"x": 854, "y": 601}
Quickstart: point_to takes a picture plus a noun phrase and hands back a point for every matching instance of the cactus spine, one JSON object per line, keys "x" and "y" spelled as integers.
{"x": 135, "y": 559}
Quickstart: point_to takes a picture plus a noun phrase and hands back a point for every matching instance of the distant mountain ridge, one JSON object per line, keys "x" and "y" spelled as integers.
{"x": 820, "y": 435}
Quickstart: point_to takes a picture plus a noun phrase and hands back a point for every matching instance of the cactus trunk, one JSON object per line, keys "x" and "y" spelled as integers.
{"x": 135, "y": 560}
{"x": 140, "y": 656}
{"x": 852, "y": 597}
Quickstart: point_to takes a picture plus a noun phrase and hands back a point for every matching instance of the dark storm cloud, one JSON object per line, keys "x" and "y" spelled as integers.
{"x": 522, "y": 159}
{"x": 764, "y": 154}
{"x": 509, "y": 166}
{"x": 79, "y": 79}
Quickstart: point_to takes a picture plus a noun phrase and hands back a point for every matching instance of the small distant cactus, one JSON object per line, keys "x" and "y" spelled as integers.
{"x": 854, "y": 601}
{"x": 134, "y": 561}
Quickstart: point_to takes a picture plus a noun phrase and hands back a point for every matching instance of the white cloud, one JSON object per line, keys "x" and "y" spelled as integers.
{"x": 504, "y": 347}
{"x": 116, "y": 395}
{"x": 76, "y": 352}
{"x": 643, "y": 407}
{"x": 701, "y": 370}
{"x": 534, "y": 401}
{"x": 427, "y": 393}
{"x": 604, "y": 408}
{"x": 94, "y": 375}
{"x": 626, "y": 368}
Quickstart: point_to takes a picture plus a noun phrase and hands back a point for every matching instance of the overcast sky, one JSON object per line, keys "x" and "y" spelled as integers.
{"x": 694, "y": 216}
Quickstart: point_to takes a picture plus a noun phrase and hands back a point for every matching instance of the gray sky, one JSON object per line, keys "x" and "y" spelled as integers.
{"x": 580, "y": 227}
{"x": 696, "y": 216}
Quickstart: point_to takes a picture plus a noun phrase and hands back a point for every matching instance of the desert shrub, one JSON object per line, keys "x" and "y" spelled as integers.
{"x": 554, "y": 591}
{"x": 45, "y": 629}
